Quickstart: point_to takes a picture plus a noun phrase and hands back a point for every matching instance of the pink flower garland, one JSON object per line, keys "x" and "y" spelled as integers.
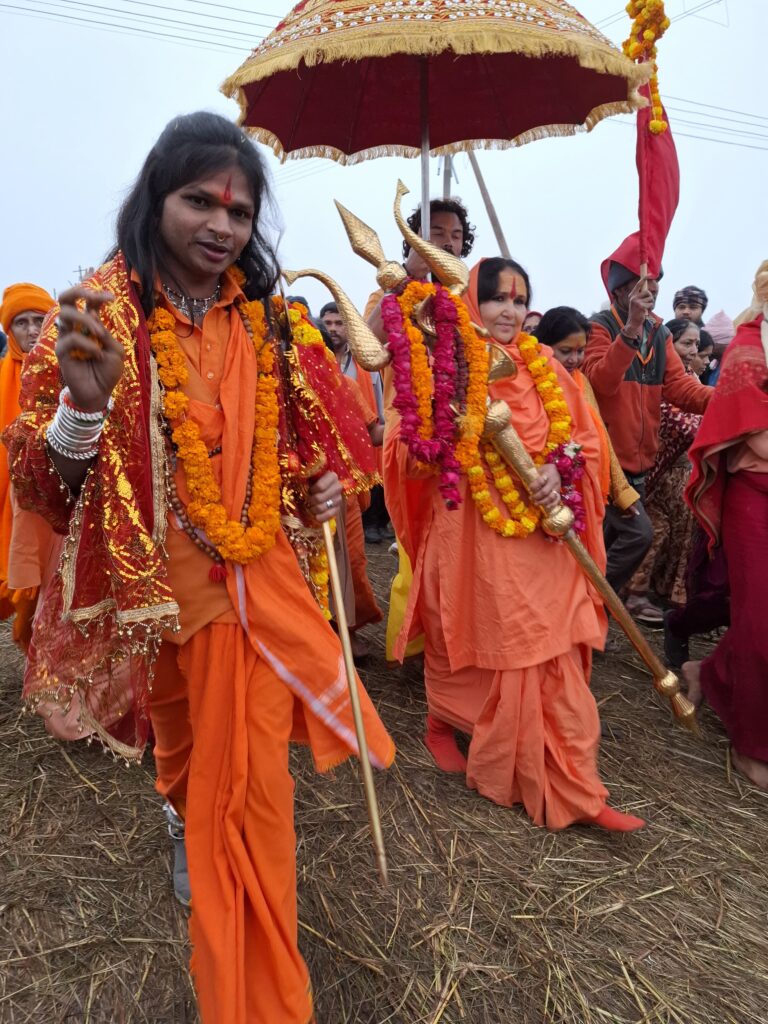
{"x": 570, "y": 463}
{"x": 439, "y": 449}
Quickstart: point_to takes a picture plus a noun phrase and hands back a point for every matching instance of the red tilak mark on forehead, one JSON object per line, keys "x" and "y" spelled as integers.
{"x": 226, "y": 195}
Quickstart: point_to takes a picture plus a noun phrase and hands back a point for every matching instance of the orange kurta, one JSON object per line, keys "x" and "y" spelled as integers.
{"x": 509, "y": 624}
{"x": 232, "y": 688}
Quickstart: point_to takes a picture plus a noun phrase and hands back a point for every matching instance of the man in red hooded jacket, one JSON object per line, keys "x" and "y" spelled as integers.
{"x": 632, "y": 364}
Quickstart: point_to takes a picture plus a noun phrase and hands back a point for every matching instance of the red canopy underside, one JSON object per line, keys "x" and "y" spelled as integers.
{"x": 354, "y": 106}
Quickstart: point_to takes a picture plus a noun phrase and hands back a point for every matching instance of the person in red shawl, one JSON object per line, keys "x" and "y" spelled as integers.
{"x": 728, "y": 492}
{"x": 192, "y": 424}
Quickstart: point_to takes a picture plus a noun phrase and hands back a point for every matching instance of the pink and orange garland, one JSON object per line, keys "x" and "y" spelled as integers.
{"x": 424, "y": 395}
{"x": 426, "y": 398}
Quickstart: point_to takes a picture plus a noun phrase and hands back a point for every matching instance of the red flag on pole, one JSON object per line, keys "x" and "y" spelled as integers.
{"x": 659, "y": 178}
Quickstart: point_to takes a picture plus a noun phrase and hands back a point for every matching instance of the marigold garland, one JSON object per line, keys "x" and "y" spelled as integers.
{"x": 427, "y": 391}
{"x": 232, "y": 540}
{"x": 421, "y": 375}
{"x": 649, "y": 25}
{"x": 523, "y": 518}
{"x": 473, "y": 421}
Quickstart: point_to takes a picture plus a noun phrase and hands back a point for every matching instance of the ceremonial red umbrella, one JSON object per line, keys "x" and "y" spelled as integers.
{"x": 355, "y": 80}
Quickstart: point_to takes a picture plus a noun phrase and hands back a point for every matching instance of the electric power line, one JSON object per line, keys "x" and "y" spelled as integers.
{"x": 691, "y": 135}
{"x": 146, "y": 16}
{"x": 614, "y": 19}
{"x": 711, "y": 106}
{"x": 154, "y": 23}
{"x": 122, "y": 29}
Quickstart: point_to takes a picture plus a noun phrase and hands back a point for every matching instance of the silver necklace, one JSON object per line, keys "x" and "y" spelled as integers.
{"x": 195, "y": 309}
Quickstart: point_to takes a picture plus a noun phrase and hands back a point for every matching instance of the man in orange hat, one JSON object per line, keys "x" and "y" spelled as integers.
{"x": 22, "y": 314}
{"x": 632, "y": 364}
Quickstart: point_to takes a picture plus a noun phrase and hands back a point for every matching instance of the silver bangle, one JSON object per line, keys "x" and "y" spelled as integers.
{"x": 65, "y": 400}
{"x": 74, "y": 433}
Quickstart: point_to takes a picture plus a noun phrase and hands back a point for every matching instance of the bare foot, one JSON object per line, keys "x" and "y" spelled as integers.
{"x": 691, "y": 673}
{"x": 752, "y": 769}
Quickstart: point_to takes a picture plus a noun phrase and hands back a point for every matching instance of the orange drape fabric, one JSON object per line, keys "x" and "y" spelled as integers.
{"x": 509, "y": 624}
{"x": 223, "y": 720}
{"x": 581, "y": 383}
{"x": 255, "y": 664}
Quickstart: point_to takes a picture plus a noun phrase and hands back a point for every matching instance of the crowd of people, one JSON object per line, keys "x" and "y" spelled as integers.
{"x": 176, "y": 431}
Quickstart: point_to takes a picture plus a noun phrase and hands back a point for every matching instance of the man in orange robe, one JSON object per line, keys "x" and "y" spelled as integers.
{"x": 162, "y": 345}
{"x": 22, "y": 314}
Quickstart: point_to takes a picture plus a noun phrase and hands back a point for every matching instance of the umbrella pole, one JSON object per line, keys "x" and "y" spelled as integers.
{"x": 425, "y": 218}
{"x": 489, "y": 207}
{"x": 447, "y": 172}
{"x": 357, "y": 713}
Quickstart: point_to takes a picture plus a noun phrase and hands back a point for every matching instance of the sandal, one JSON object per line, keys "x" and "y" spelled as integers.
{"x": 641, "y": 609}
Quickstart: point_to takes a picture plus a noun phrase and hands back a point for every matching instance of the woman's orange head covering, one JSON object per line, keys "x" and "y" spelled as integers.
{"x": 470, "y": 295}
{"x": 16, "y": 299}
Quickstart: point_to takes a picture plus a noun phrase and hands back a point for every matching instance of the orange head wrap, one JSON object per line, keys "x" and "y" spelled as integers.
{"x": 470, "y": 295}
{"x": 16, "y": 299}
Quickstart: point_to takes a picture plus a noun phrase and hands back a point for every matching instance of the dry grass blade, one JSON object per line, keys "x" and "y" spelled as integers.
{"x": 487, "y": 920}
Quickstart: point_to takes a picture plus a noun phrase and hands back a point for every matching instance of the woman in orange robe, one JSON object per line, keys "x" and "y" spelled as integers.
{"x": 509, "y": 624}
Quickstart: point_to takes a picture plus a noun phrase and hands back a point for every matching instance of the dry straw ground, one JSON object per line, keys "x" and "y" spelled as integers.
{"x": 487, "y": 920}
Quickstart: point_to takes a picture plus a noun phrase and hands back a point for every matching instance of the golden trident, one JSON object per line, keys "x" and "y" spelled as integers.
{"x": 372, "y": 355}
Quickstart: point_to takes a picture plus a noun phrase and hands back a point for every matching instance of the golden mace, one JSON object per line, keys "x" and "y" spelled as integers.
{"x": 372, "y": 355}
{"x": 559, "y": 523}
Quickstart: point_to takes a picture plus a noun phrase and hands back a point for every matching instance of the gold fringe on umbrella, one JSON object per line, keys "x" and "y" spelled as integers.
{"x": 327, "y": 31}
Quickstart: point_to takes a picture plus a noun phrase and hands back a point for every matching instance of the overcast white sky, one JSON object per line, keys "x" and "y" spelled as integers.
{"x": 81, "y": 106}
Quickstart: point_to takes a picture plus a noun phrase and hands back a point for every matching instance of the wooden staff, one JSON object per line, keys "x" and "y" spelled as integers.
{"x": 357, "y": 713}
{"x": 559, "y": 523}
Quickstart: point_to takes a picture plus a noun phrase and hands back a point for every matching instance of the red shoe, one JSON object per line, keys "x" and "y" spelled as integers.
{"x": 440, "y": 741}
{"x": 615, "y": 821}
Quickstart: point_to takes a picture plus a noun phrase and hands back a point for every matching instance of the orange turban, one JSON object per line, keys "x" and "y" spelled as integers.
{"x": 16, "y": 299}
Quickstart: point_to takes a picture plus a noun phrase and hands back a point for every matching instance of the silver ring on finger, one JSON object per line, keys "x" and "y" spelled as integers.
{"x": 330, "y": 503}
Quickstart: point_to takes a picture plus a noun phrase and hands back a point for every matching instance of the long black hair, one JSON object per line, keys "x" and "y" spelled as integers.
{"x": 191, "y": 147}
{"x": 488, "y": 278}
{"x": 560, "y": 322}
